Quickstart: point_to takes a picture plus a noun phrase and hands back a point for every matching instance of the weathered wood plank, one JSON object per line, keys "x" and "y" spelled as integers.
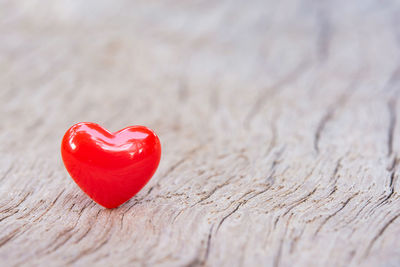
{"x": 278, "y": 120}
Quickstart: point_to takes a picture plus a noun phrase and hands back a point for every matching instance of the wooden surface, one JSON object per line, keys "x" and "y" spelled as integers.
{"x": 278, "y": 120}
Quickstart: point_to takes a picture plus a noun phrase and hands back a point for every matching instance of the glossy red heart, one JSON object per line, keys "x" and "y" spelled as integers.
{"x": 110, "y": 167}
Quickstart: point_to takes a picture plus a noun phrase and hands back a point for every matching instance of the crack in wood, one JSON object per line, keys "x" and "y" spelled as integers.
{"x": 227, "y": 216}
{"x": 301, "y": 200}
{"x": 334, "y": 214}
{"x": 379, "y": 234}
{"x": 392, "y": 124}
{"x": 8, "y": 237}
{"x": 334, "y": 178}
{"x": 332, "y": 110}
{"x": 101, "y": 242}
{"x": 278, "y": 256}
{"x": 17, "y": 204}
{"x": 215, "y": 189}
{"x": 208, "y": 246}
{"x": 392, "y": 176}
{"x": 289, "y": 78}
{"x": 50, "y": 206}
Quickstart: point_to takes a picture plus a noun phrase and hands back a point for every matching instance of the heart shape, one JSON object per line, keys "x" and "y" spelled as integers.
{"x": 110, "y": 167}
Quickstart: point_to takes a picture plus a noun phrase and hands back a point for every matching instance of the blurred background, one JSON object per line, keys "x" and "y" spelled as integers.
{"x": 102, "y": 55}
{"x": 172, "y": 64}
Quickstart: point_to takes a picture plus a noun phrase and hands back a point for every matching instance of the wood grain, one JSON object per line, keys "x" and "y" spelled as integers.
{"x": 278, "y": 119}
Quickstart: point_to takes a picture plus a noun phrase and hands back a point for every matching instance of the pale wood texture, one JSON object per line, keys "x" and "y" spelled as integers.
{"x": 278, "y": 120}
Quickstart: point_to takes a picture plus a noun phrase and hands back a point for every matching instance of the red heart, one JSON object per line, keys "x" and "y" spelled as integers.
{"x": 110, "y": 167}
